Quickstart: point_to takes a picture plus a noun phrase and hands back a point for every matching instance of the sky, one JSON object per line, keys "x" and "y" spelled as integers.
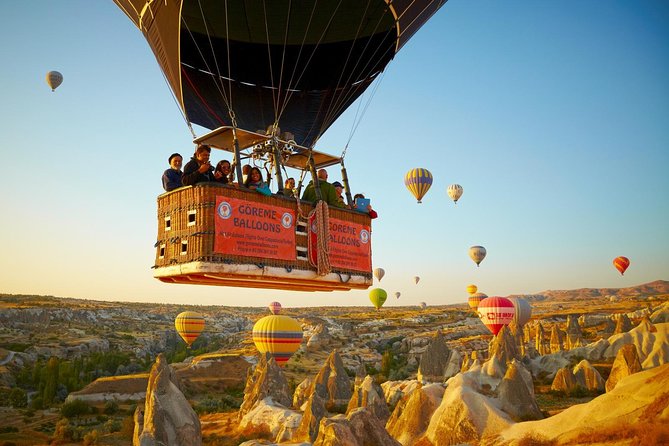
{"x": 553, "y": 116}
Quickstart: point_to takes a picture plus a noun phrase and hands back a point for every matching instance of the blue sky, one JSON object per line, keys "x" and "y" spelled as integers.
{"x": 553, "y": 116}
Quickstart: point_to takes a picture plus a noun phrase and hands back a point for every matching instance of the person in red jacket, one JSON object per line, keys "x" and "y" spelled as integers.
{"x": 372, "y": 213}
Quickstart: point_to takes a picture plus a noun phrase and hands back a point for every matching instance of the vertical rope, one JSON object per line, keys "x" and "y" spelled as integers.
{"x": 322, "y": 215}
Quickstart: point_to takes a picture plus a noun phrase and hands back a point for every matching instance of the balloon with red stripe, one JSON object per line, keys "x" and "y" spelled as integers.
{"x": 189, "y": 325}
{"x": 621, "y": 263}
{"x": 475, "y": 299}
{"x": 278, "y": 335}
{"x": 496, "y": 312}
{"x": 274, "y": 307}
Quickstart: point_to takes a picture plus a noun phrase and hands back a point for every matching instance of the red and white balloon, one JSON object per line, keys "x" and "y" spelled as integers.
{"x": 496, "y": 312}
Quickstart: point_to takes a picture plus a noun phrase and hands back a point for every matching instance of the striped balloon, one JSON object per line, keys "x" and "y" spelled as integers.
{"x": 496, "y": 312}
{"x": 189, "y": 325}
{"x": 278, "y": 335}
{"x": 522, "y": 310}
{"x": 621, "y": 263}
{"x": 455, "y": 192}
{"x": 418, "y": 181}
{"x": 274, "y": 307}
{"x": 475, "y": 299}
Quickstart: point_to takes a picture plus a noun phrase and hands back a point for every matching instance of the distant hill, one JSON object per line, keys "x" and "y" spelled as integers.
{"x": 658, "y": 287}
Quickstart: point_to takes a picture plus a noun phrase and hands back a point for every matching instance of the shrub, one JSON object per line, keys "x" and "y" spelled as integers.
{"x": 111, "y": 407}
{"x": 75, "y": 408}
{"x": 91, "y": 438}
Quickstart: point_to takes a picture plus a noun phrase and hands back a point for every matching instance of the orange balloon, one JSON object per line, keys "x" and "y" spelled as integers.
{"x": 621, "y": 263}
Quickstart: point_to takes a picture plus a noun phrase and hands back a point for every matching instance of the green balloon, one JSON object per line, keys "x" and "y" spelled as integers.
{"x": 378, "y": 297}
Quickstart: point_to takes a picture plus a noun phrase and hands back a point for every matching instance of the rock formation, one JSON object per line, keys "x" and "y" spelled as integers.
{"x": 574, "y": 336}
{"x": 623, "y": 324}
{"x": 564, "y": 381}
{"x": 167, "y": 418}
{"x": 265, "y": 380}
{"x": 650, "y": 340}
{"x": 412, "y": 414}
{"x": 333, "y": 384}
{"x": 588, "y": 377}
{"x": 319, "y": 339}
{"x": 540, "y": 343}
{"x": 517, "y": 335}
{"x": 516, "y": 393}
{"x": 370, "y": 395}
{"x": 502, "y": 350}
{"x": 438, "y": 362}
{"x": 625, "y": 364}
{"x": 301, "y": 394}
{"x": 314, "y": 412}
{"x": 557, "y": 339}
{"x": 359, "y": 428}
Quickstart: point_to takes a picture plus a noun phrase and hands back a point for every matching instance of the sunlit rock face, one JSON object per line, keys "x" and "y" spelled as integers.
{"x": 314, "y": 412}
{"x": 267, "y": 419}
{"x": 661, "y": 314}
{"x": 503, "y": 349}
{"x": 370, "y": 395}
{"x": 301, "y": 394}
{"x": 332, "y": 384}
{"x": 516, "y": 393}
{"x": 541, "y": 345}
{"x": 574, "y": 336}
{"x": 265, "y": 380}
{"x": 411, "y": 416}
{"x": 651, "y": 342}
{"x": 438, "y": 362}
{"x": 358, "y": 428}
{"x": 588, "y": 377}
{"x": 623, "y": 324}
{"x": 320, "y": 338}
{"x": 557, "y": 339}
{"x": 564, "y": 381}
{"x": 167, "y": 418}
{"x": 626, "y": 363}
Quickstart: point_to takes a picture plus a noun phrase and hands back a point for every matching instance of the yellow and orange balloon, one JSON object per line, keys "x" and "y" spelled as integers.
{"x": 189, "y": 325}
{"x": 278, "y": 335}
{"x": 418, "y": 181}
{"x": 621, "y": 263}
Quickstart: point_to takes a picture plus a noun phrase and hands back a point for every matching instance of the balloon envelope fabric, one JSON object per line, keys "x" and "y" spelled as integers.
{"x": 496, "y": 312}
{"x": 278, "y": 335}
{"x": 189, "y": 325}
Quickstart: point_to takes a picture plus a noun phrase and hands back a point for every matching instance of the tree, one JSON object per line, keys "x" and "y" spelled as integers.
{"x": 51, "y": 380}
{"x": 386, "y": 363}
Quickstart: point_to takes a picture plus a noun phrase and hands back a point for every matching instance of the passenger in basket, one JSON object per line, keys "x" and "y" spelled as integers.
{"x": 172, "y": 176}
{"x": 289, "y": 188}
{"x": 245, "y": 172}
{"x": 328, "y": 192}
{"x": 372, "y": 213}
{"x": 222, "y": 172}
{"x": 254, "y": 179}
{"x": 199, "y": 169}
{"x": 339, "y": 189}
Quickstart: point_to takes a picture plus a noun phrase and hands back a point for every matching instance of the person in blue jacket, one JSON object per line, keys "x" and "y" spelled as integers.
{"x": 198, "y": 169}
{"x": 172, "y": 176}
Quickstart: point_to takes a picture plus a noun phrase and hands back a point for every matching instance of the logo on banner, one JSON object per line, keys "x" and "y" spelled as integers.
{"x": 313, "y": 227}
{"x": 364, "y": 236}
{"x": 287, "y": 220}
{"x": 224, "y": 210}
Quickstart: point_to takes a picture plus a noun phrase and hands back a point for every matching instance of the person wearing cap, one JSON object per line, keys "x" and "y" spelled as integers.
{"x": 339, "y": 189}
{"x": 328, "y": 192}
{"x": 172, "y": 176}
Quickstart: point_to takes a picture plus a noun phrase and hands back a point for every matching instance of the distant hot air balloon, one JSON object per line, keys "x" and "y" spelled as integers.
{"x": 54, "y": 79}
{"x": 496, "y": 312}
{"x": 416, "y": 279}
{"x": 274, "y": 307}
{"x": 477, "y": 254}
{"x": 418, "y": 181}
{"x": 189, "y": 325}
{"x": 378, "y": 297}
{"x": 379, "y": 273}
{"x": 455, "y": 192}
{"x": 474, "y": 300}
{"x": 471, "y": 289}
{"x": 621, "y": 263}
{"x": 397, "y": 294}
{"x": 522, "y": 310}
{"x": 278, "y": 335}
{"x": 423, "y": 305}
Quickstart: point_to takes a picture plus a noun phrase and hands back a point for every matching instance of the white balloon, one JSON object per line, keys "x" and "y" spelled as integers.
{"x": 379, "y": 273}
{"x": 455, "y": 192}
{"x": 477, "y": 254}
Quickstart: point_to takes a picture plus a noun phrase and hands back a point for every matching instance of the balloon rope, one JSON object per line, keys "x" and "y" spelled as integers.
{"x": 322, "y": 217}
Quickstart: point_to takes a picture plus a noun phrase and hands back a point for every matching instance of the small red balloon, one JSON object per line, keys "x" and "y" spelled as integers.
{"x": 621, "y": 263}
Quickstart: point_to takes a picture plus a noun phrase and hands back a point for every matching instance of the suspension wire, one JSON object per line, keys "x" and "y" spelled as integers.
{"x": 211, "y": 46}
{"x": 357, "y": 123}
{"x": 227, "y": 47}
{"x": 283, "y": 60}
{"x": 271, "y": 71}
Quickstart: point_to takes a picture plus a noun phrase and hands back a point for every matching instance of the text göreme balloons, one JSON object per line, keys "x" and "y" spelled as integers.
{"x": 278, "y": 335}
{"x": 621, "y": 263}
{"x": 418, "y": 181}
{"x": 189, "y": 325}
{"x": 496, "y": 312}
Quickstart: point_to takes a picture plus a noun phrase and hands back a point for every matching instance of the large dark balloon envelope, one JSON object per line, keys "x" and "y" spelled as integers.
{"x": 299, "y": 64}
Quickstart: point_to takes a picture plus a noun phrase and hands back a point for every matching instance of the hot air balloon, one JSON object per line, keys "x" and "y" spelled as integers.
{"x": 475, "y": 299}
{"x": 621, "y": 263}
{"x": 54, "y": 79}
{"x": 418, "y": 181}
{"x": 378, "y": 297}
{"x": 278, "y": 335}
{"x": 416, "y": 279}
{"x": 496, "y": 312}
{"x": 275, "y": 307}
{"x": 477, "y": 254}
{"x": 397, "y": 294}
{"x": 379, "y": 273}
{"x": 471, "y": 289}
{"x": 423, "y": 305}
{"x": 522, "y": 310}
{"x": 189, "y": 325}
{"x": 455, "y": 192}
{"x": 268, "y": 77}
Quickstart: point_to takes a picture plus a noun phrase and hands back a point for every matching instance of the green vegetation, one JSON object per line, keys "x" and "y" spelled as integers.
{"x": 230, "y": 400}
